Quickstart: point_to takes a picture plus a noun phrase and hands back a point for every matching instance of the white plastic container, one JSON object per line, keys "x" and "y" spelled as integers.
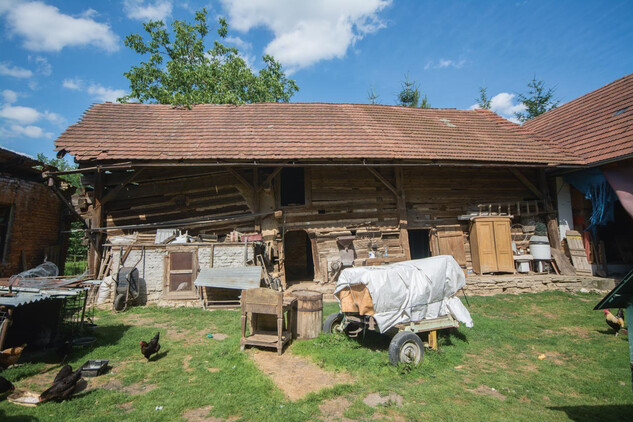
{"x": 540, "y": 249}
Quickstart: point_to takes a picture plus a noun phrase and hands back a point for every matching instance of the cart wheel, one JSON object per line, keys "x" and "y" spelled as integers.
{"x": 119, "y": 304}
{"x": 334, "y": 323}
{"x": 406, "y": 347}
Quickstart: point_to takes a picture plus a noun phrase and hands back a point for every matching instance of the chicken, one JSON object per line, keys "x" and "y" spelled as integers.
{"x": 148, "y": 349}
{"x": 62, "y": 389}
{"x": 616, "y": 322}
{"x": 64, "y": 351}
{"x": 6, "y": 387}
{"x": 10, "y": 356}
{"x": 63, "y": 373}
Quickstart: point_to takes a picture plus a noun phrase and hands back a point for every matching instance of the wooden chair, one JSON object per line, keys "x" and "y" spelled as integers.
{"x": 259, "y": 303}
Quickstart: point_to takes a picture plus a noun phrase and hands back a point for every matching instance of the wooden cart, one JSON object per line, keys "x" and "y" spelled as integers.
{"x": 406, "y": 346}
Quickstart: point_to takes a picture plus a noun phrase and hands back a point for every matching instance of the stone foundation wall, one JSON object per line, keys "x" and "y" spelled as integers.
{"x": 492, "y": 285}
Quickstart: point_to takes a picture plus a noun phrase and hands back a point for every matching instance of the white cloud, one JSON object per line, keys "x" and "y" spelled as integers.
{"x": 54, "y": 118}
{"x": 21, "y": 114}
{"x": 43, "y": 66}
{"x": 147, "y": 10}
{"x": 28, "y": 115}
{"x": 503, "y": 104}
{"x": 95, "y": 90}
{"x": 306, "y": 32}
{"x": 45, "y": 28}
{"x": 102, "y": 93}
{"x": 72, "y": 84}
{"x": 17, "y": 72}
{"x": 444, "y": 63}
{"x": 29, "y": 131}
{"x": 9, "y": 96}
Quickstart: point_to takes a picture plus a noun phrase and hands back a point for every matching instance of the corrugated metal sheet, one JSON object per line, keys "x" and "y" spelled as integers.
{"x": 230, "y": 278}
{"x": 22, "y": 298}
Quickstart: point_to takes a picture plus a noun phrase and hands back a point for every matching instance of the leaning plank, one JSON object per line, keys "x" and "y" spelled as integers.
{"x": 577, "y": 252}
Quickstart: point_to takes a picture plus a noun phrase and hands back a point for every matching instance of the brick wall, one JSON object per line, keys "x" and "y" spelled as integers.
{"x": 36, "y": 222}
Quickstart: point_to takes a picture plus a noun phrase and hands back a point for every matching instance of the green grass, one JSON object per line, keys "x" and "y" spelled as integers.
{"x": 75, "y": 267}
{"x": 585, "y": 375}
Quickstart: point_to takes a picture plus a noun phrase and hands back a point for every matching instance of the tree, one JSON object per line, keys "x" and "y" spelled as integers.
{"x": 537, "y": 101}
{"x": 409, "y": 95}
{"x": 76, "y": 248}
{"x": 483, "y": 101}
{"x": 372, "y": 96}
{"x": 182, "y": 72}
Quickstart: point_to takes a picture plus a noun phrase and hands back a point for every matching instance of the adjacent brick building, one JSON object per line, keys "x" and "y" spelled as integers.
{"x": 32, "y": 217}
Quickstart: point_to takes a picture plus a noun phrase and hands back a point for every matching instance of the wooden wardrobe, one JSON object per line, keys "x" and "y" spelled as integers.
{"x": 491, "y": 245}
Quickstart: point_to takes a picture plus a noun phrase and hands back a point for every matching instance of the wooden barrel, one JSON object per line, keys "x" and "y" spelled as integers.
{"x": 309, "y": 313}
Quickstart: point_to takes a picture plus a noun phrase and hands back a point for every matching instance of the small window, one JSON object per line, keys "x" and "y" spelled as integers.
{"x": 293, "y": 190}
{"x": 5, "y": 224}
{"x": 181, "y": 273}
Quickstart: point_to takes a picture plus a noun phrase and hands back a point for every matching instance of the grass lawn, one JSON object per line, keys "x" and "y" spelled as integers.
{"x": 489, "y": 372}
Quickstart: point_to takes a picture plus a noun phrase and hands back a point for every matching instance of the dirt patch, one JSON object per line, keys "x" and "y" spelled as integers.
{"x": 332, "y": 410}
{"x": 375, "y": 399}
{"x": 296, "y": 376}
{"x": 390, "y": 415}
{"x": 200, "y": 414}
{"x": 185, "y": 363}
{"x": 133, "y": 389}
{"x": 484, "y": 390}
{"x": 220, "y": 336}
{"x": 126, "y": 407}
{"x": 213, "y": 369}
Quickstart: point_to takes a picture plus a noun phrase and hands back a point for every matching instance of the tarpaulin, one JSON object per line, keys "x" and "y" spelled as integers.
{"x": 621, "y": 180}
{"x": 594, "y": 186}
{"x": 410, "y": 291}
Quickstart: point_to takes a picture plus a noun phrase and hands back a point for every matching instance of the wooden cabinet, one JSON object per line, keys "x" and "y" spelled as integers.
{"x": 491, "y": 245}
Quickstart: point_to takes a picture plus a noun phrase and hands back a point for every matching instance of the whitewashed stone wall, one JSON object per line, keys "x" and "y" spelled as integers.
{"x": 230, "y": 255}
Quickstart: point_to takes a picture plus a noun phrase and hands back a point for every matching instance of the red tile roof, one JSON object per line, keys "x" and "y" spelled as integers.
{"x": 597, "y": 126}
{"x": 298, "y": 131}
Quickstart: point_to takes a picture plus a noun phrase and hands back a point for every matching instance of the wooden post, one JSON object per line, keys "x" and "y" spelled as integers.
{"x": 96, "y": 220}
{"x": 402, "y": 213}
{"x": 433, "y": 340}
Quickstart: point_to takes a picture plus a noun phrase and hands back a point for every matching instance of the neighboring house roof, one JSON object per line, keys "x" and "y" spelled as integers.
{"x": 17, "y": 163}
{"x": 597, "y": 126}
{"x": 302, "y": 131}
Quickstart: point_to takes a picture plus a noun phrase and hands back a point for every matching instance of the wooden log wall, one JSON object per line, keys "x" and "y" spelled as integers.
{"x": 374, "y": 205}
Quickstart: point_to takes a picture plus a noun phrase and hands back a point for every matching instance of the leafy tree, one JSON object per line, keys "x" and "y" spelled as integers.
{"x": 483, "y": 101}
{"x": 62, "y": 165}
{"x": 75, "y": 247}
{"x": 409, "y": 95}
{"x": 537, "y": 101}
{"x": 372, "y": 96}
{"x": 180, "y": 71}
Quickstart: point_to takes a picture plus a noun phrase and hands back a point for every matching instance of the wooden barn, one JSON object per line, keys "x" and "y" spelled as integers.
{"x": 324, "y": 186}
{"x": 32, "y": 216}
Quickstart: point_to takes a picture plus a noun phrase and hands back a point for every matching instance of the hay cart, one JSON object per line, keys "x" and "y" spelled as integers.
{"x": 408, "y": 301}
{"x": 406, "y": 344}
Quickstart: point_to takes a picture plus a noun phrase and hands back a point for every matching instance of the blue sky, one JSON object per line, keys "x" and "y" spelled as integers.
{"x": 58, "y": 57}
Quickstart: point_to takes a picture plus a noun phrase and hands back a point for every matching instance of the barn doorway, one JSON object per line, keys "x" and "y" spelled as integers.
{"x": 419, "y": 245}
{"x": 298, "y": 262}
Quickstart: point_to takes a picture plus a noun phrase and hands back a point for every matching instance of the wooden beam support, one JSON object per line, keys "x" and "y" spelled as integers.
{"x": 241, "y": 179}
{"x": 270, "y": 178}
{"x": 517, "y": 173}
{"x": 402, "y": 213}
{"x": 384, "y": 181}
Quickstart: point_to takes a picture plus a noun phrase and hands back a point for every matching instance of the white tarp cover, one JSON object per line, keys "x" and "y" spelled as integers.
{"x": 411, "y": 290}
